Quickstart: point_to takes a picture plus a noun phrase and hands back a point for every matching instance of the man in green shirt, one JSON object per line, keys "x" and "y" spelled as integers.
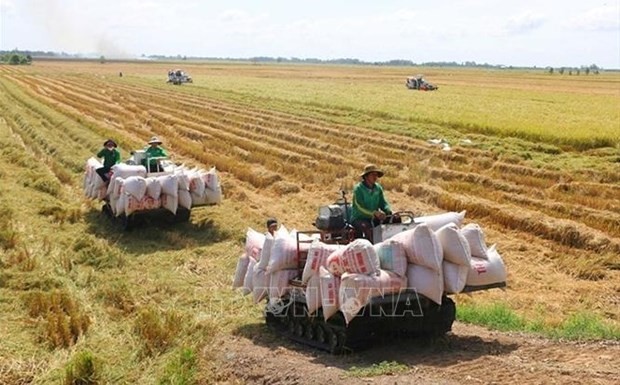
{"x": 369, "y": 206}
{"x": 154, "y": 151}
{"x": 111, "y": 156}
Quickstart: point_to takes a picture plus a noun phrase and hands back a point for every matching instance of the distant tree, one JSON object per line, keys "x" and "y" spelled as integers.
{"x": 550, "y": 70}
{"x": 587, "y": 70}
{"x": 577, "y": 71}
{"x": 570, "y": 72}
{"x": 14, "y": 59}
{"x": 102, "y": 59}
{"x": 561, "y": 71}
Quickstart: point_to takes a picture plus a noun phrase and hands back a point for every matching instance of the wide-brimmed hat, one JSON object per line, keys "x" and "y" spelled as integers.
{"x": 105, "y": 144}
{"x": 371, "y": 168}
{"x": 154, "y": 140}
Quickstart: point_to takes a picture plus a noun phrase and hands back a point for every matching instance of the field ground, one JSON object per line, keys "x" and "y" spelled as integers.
{"x": 534, "y": 159}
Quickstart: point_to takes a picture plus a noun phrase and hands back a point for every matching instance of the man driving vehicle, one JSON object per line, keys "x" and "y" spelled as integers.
{"x": 369, "y": 207}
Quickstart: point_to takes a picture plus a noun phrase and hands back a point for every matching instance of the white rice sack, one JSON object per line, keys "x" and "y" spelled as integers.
{"x": 117, "y": 187}
{"x": 392, "y": 257}
{"x": 487, "y": 271}
{"x": 124, "y": 171}
{"x": 135, "y": 186}
{"x": 354, "y": 294}
{"x": 170, "y": 203}
{"x": 279, "y": 284}
{"x": 120, "y": 205}
{"x": 183, "y": 180}
{"x": 388, "y": 283}
{"x": 196, "y": 184}
{"x": 150, "y": 203}
{"x": 254, "y": 243}
{"x": 102, "y": 192}
{"x": 185, "y": 199}
{"x": 454, "y": 277}
{"x": 113, "y": 203}
{"x": 169, "y": 184}
{"x": 132, "y": 204}
{"x": 284, "y": 253}
{"x": 261, "y": 281}
{"x": 317, "y": 257}
{"x": 198, "y": 200}
{"x": 475, "y": 238}
{"x": 334, "y": 262}
{"x": 360, "y": 257}
{"x": 213, "y": 196}
{"x": 454, "y": 245}
{"x": 330, "y": 288}
{"x": 153, "y": 188}
{"x": 437, "y": 221}
{"x": 421, "y": 246}
{"x": 211, "y": 179}
{"x": 425, "y": 281}
{"x": 248, "y": 280}
{"x": 313, "y": 294}
{"x": 265, "y": 252}
{"x": 111, "y": 187}
{"x": 240, "y": 271}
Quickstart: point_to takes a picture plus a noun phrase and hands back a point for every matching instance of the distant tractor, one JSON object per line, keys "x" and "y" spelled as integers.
{"x": 419, "y": 83}
{"x": 178, "y": 77}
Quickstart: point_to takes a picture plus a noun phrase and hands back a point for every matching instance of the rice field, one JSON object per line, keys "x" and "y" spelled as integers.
{"x": 534, "y": 159}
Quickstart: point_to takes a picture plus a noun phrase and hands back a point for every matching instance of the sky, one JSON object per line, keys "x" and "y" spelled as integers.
{"x": 556, "y": 33}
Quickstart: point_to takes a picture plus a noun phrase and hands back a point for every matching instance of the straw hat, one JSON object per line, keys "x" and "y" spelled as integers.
{"x": 371, "y": 168}
{"x": 109, "y": 141}
{"x": 154, "y": 140}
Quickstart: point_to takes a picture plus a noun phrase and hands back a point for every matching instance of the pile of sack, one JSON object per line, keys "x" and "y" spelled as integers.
{"x": 436, "y": 257}
{"x": 130, "y": 190}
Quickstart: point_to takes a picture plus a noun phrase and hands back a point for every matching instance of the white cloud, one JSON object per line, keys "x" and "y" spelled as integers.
{"x": 604, "y": 18}
{"x": 525, "y": 22}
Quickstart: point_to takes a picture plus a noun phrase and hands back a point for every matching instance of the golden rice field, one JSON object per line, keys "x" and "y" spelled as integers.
{"x": 534, "y": 159}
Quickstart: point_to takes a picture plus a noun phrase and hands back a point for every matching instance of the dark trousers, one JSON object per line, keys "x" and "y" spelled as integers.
{"x": 103, "y": 173}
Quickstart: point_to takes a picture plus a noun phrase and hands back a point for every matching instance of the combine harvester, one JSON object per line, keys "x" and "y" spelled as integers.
{"x": 136, "y": 193}
{"x": 336, "y": 293}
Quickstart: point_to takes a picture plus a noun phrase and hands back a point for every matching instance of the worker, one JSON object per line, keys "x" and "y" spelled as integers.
{"x": 369, "y": 207}
{"x": 111, "y": 156}
{"x": 272, "y": 226}
{"x": 154, "y": 150}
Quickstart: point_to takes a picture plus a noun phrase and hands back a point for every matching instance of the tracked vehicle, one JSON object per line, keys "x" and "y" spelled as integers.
{"x": 406, "y": 313}
{"x": 151, "y": 189}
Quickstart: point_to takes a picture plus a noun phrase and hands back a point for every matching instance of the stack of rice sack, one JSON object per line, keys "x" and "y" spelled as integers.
{"x": 268, "y": 263}
{"x": 436, "y": 257}
{"x": 94, "y": 187}
{"x": 130, "y": 189}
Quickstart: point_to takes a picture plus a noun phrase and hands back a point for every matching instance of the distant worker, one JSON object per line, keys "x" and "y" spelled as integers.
{"x": 369, "y": 207}
{"x": 111, "y": 156}
{"x": 272, "y": 226}
{"x": 153, "y": 152}
{"x": 120, "y": 74}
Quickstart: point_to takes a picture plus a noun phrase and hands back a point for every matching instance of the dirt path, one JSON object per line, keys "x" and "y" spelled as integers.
{"x": 471, "y": 355}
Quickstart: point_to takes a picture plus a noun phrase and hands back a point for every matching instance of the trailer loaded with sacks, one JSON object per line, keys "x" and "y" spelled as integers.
{"x": 326, "y": 289}
{"x": 135, "y": 194}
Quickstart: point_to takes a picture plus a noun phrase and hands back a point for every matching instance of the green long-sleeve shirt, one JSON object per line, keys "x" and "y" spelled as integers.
{"x": 110, "y": 157}
{"x": 153, "y": 152}
{"x": 367, "y": 200}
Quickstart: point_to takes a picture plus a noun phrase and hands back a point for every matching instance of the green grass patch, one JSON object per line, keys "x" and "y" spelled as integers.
{"x": 82, "y": 370}
{"x": 182, "y": 369}
{"x": 380, "y": 369}
{"x": 498, "y": 316}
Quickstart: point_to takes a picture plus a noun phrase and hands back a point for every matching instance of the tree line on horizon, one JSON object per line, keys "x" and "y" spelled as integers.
{"x": 26, "y": 57}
